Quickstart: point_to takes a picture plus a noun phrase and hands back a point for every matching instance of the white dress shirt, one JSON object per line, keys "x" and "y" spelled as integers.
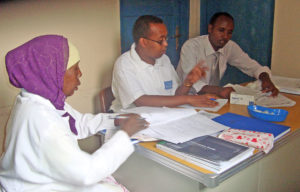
{"x": 200, "y": 49}
{"x": 42, "y": 154}
{"x": 133, "y": 78}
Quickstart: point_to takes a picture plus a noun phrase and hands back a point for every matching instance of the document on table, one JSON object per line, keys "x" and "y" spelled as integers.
{"x": 159, "y": 115}
{"x": 263, "y": 99}
{"x": 287, "y": 85}
{"x": 279, "y": 101}
{"x": 176, "y": 125}
{"x": 221, "y": 102}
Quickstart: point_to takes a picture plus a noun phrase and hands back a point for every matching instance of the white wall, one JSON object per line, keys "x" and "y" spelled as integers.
{"x": 286, "y": 39}
{"x": 194, "y": 24}
{"x": 92, "y": 25}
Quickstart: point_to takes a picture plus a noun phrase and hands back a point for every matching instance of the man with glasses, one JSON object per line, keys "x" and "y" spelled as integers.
{"x": 144, "y": 75}
{"x": 216, "y": 49}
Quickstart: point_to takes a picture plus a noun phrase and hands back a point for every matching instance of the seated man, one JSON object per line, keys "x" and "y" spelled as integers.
{"x": 216, "y": 49}
{"x": 144, "y": 75}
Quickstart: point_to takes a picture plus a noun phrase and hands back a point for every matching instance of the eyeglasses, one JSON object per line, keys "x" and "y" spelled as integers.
{"x": 159, "y": 42}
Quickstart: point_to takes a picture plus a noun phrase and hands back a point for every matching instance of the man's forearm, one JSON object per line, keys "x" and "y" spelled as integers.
{"x": 160, "y": 101}
{"x": 183, "y": 89}
{"x": 210, "y": 89}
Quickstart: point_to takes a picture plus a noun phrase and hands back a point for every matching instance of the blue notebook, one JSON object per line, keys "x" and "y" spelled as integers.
{"x": 236, "y": 121}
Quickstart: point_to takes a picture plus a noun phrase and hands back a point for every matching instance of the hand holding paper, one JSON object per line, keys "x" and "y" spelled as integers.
{"x": 131, "y": 123}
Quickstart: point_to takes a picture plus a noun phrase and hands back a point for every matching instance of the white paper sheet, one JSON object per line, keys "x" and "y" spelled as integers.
{"x": 287, "y": 85}
{"x": 159, "y": 115}
{"x": 176, "y": 125}
{"x": 221, "y": 102}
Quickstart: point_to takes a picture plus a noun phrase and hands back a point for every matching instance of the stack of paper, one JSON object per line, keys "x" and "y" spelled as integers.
{"x": 209, "y": 152}
{"x": 287, "y": 85}
{"x": 176, "y": 125}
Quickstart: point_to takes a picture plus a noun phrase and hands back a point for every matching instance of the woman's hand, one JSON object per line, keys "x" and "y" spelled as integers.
{"x": 132, "y": 123}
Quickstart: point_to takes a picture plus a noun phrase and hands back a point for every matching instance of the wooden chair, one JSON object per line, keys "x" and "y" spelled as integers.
{"x": 106, "y": 97}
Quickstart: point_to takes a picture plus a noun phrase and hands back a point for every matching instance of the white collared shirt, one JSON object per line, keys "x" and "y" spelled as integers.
{"x": 133, "y": 78}
{"x": 199, "y": 48}
{"x": 42, "y": 154}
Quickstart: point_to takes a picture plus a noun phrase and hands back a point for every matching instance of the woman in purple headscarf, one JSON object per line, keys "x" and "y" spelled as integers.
{"x": 41, "y": 149}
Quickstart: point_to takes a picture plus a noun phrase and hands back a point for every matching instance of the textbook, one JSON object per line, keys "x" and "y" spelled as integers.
{"x": 236, "y": 121}
{"x": 209, "y": 152}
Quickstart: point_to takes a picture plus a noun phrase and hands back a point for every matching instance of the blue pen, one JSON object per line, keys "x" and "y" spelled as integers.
{"x": 212, "y": 99}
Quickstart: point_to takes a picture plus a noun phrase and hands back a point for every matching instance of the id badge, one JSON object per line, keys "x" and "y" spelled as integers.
{"x": 168, "y": 85}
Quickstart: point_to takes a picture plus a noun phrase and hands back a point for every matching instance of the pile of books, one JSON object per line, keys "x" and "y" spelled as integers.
{"x": 216, "y": 154}
{"x": 209, "y": 152}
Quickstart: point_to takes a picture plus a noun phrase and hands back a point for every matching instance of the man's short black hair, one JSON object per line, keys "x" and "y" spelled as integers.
{"x": 214, "y": 18}
{"x": 141, "y": 26}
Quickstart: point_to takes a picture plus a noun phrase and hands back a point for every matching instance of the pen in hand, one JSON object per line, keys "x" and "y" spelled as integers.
{"x": 130, "y": 123}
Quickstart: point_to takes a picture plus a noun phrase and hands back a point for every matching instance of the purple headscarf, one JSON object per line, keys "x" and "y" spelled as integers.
{"x": 39, "y": 66}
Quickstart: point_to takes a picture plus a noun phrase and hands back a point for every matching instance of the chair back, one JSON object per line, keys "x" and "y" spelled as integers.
{"x": 106, "y": 97}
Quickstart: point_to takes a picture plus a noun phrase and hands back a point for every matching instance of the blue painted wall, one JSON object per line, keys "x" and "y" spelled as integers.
{"x": 173, "y": 12}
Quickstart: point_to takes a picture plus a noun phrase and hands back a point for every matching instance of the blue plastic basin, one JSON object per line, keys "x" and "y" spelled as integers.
{"x": 267, "y": 114}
